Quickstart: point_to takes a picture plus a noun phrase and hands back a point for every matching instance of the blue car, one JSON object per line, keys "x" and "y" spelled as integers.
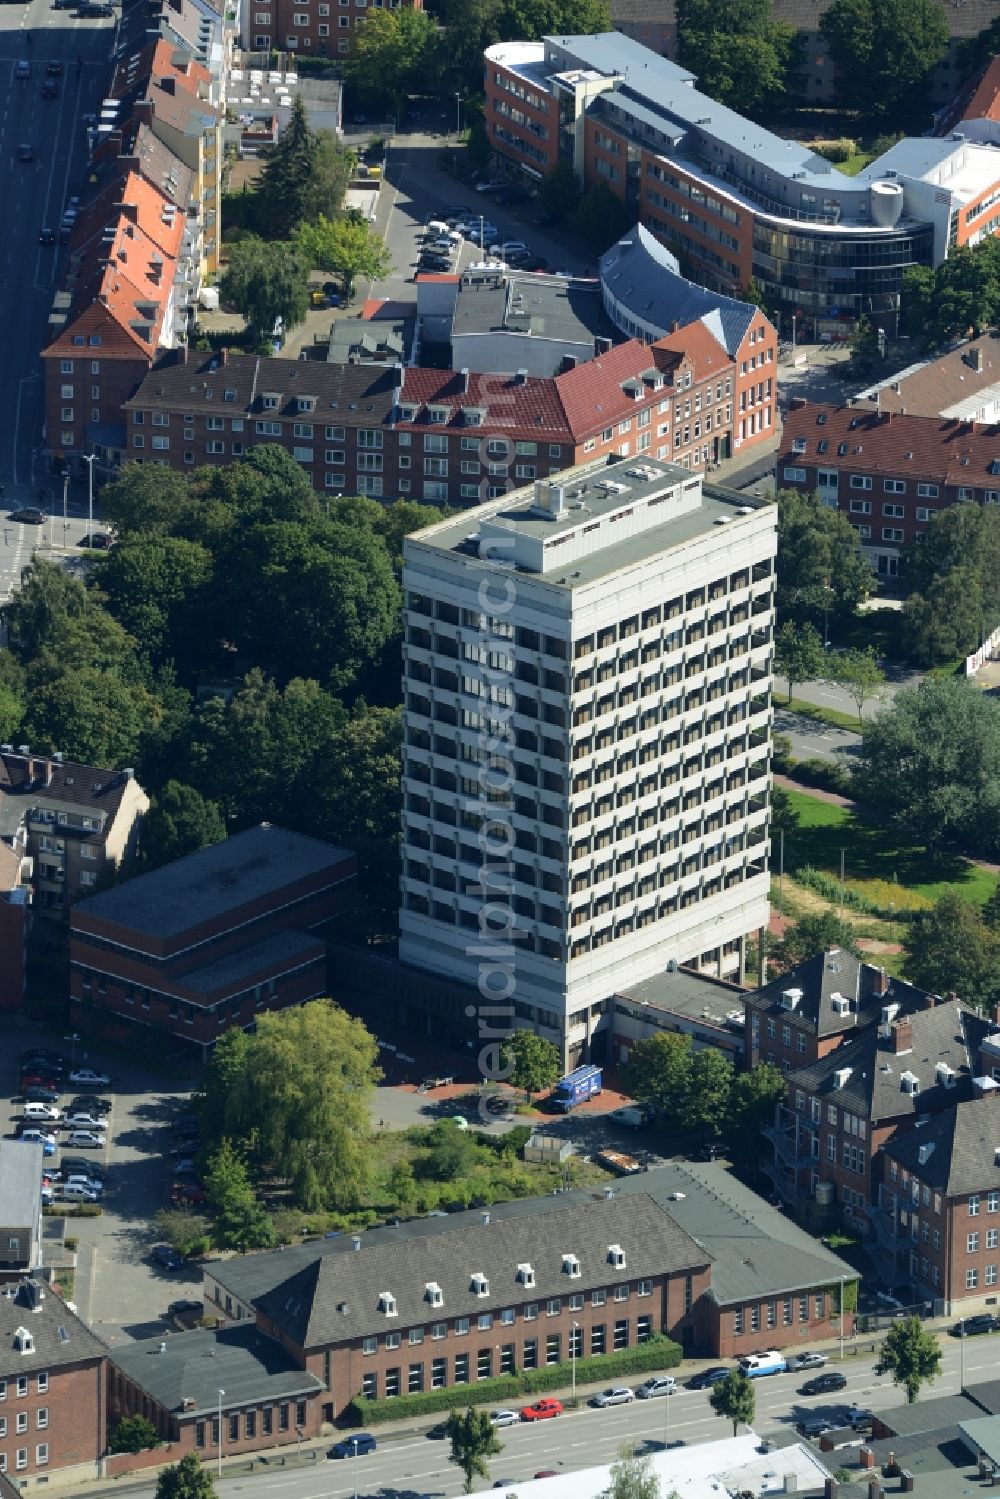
{"x": 353, "y": 1446}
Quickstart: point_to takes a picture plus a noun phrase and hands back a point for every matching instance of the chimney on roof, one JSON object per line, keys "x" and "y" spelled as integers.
{"x": 521, "y": 377}
{"x": 976, "y": 360}
{"x": 951, "y": 996}
{"x": 881, "y": 982}
{"x": 797, "y": 403}
{"x": 902, "y": 1036}
{"x": 930, "y": 1000}
{"x": 168, "y": 85}
{"x": 569, "y": 363}
{"x": 995, "y": 1014}
{"x": 397, "y": 376}
{"x": 602, "y": 346}
{"x": 129, "y": 211}
{"x": 886, "y": 417}
{"x": 223, "y": 354}
{"x": 182, "y": 354}
{"x": 465, "y": 381}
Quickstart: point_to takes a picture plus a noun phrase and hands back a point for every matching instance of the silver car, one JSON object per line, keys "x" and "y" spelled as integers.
{"x": 617, "y": 1395}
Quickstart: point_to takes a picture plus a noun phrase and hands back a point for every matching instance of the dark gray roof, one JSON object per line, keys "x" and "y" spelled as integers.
{"x": 695, "y": 995}
{"x": 835, "y": 972}
{"x": 222, "y": 974}
{"x": 20, "y": 1183}
{"x": 643, "y": 276}
{"x": 38, "y": 780}
{"x": 335, "y": 1296}
{"x": 956, "y": 1151}
{"x": 986, "y": 1395}
{"x": 194, "y": 1366}
{"x": 58, "y": 1335}
{"x": 756, "y": 1251}
{"x": 203, "y": 381}
{"x": 872, "y": 1071}
{"x": 929, "y": 1414}
{"x": 543, "y": 306}
{"x": 206, "y": 885}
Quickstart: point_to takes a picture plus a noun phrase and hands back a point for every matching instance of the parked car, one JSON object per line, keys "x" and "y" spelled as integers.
{"x": 356, "y": 1446}
{"x": 83, "y": 1179}
{"x": 86, "y": 1138}
{"x": 814, "y": 1427}
{"x": 26, "y": 152}
{"x": 50, "y": 1060}
{"x": 824, "y": 1384}
{"x": 30, "y": 515}
{"x": 54, "y": 68}
{"x": 534, "y": 263}
{"x": 69, "y": 1164}
{"x": 542, "y": 1410}
{"x": 22, "y": 68}
{"x": 707, "y": 1377}
{"x": 505, "y": 246}
{"x": 797, "y": 1361}
{"x": 99, "y": 540}
{"x": 657, "y": 1384}
{"x": 46, "y": 236}
{"x": 85, "y": 1119}
{"x": 439, "y": 1432}
{"x": 166, "y": 1257}
{"x": 859, "y": 1415}
{"x": 186, "y": 1313}
{"x": 50, "y": 89}
{"x": 77, "y": 1192}
{"x": 40, "y": 1093}
{"x": 490, "y": 185}
{"x": 92, "y": 1105}
{"x": 617, "y": 1395}
{"x": 36, "y": 1110}
{"x": 38, "y": 1136}
{"x": 503, "y": 1418}
{"x": 971, "y": 1327}
{"x": 438, "y": 264}
{"x": 86, "y": 1077}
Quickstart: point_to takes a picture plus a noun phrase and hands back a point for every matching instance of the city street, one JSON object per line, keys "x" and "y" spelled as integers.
{"x": 814, "y": 741}
{"x": 34, "y": 195}
{"x": 407, "y": 1463}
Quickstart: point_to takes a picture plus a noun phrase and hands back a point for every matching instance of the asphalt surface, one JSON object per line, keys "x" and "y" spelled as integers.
{"x": 34, "y": 195}
{"x": 814, "y": 741}
{"x": 408, "y": 1464}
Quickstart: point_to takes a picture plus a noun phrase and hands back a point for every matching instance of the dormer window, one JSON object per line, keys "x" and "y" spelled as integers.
{"x": 269, "y": 401}
{"x": 571, "y": 1266}
{"x": 842, "y": 1077}
{"x": 387, "y": 1304}
{"x": 473, "y": 416}
{"x": 479, "y": 1285}
{"x": 525, "y": 1275}
{"x": 433, "y": 1293}
{"x": 616, "y": 1256}
{"x": 438, "y": 414}
{"x": 24, "y": 1341}
{"x": 841, "y": 1004}
{"x": 305, "y": 403}
{"x": 910, "y": 1083}
{"x": 406, "y": 413}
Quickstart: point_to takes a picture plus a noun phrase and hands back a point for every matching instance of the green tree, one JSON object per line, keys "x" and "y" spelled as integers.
{"x": 860, "y": 675}
{"x": 401, "y": 1184}
{"x": 560, "y": 190}
{"x": 916, "y": 300}
{"x": 298, "y": 1097}
{"x": 885, "y": 51}
{"x": 929, "y": 765}
{"x": 952, "y": 947}
{"x": 12, "y": 695}
{"x": 348, "y": 246}
{"x": 740, "y": 54}
{"x": 911, "y": 1355}
{"x": 240, "y": 1221}
{"x": 332, "y": 169}
{"x": 395, "y": 53}
{"x": 734, "y": 1399}
{"x": 799, "y": 654}
{"x": 473, "y": 1441}
{"x": 180, "y": 821}
{"x": 784, "y": 818}
{"x": 157, "y": 587}
{"x": 752, "y": 1101}
{"x": 659, "y": 1073}
{"x": 633, "y": 1476}
{"x": 813, "y": 933}
{"x": 821, "y": 569}
{"x": 287, "y": 181}
{"x": 133, "y": 1434}
{"x": 954, "y": 578}
{"x": 534, "y": 1062}
{"x": 602, "y": 217}
{"x": 187, "y": 1232}
{"x": 711, "y": 1085}
{"x": 266, "y": 281}
{"x": 145, "y": 497}
{"x": 864, "y": 344}
{"x": 452, "y": 1152}
{"x": 185, "y": 1480}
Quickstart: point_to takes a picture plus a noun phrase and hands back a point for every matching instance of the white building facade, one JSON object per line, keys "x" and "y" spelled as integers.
{"x": 586, "y": 773}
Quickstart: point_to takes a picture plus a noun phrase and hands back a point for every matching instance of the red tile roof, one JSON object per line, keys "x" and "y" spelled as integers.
{"x": 529, "y": 409}
{"x": 593, "y": 396}
{"x": 977, "y": 99}
{"x": 695, "y": 343}
{"x": 945, "y": 452}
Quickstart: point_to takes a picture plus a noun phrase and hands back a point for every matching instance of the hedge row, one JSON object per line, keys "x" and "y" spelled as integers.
{"x": 657, "y": 1353}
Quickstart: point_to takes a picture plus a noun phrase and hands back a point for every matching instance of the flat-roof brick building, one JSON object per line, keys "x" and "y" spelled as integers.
{"x": 210, "y": 940}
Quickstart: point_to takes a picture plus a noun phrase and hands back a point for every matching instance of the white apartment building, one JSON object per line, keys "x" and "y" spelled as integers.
{"x": 586, "y": 774}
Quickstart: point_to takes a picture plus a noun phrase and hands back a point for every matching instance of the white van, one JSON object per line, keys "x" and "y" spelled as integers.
{"x": 756, "y": 1365}
{"x": 77, "y": 1192}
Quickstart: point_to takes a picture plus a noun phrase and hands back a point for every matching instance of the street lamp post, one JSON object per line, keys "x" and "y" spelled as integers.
{"x": 65, "y": 504}
{"x": 298, "y": 1443}
{"x": 841, "y": 1319}
{"x": 961, "y": 1344}
{"x": 88, "y": 459}
{"x": 354, "y": 1465}
{"x": 458, "y": 113}
{"x": 572, "y": 1349}
{"x": 74, "y": 1038}
{"x": 221, "y": 1393}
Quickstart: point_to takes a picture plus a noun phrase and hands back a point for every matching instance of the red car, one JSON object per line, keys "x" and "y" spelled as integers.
{"x": 542, "y": 1410}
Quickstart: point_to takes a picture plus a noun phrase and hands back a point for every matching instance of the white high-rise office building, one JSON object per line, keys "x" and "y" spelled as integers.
{"x": 587, "y": 739}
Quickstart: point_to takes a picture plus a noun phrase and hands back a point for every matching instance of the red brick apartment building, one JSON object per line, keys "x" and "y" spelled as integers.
{"x": 52, "y": 1388}
{"x": 803, "y": 1015}
{"x": 314, "y": 28}
{"x": 887, "y": 471}
{"x": 841, "y": 1112}
{"x": 439, "y": 435}
{"x": 210, "y": 940}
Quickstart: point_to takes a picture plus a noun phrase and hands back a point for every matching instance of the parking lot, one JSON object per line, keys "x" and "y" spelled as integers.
{"x": 117, "y": 1290}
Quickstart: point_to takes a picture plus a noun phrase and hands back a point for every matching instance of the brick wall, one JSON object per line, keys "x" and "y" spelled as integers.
{"x": 67, "y": 1418}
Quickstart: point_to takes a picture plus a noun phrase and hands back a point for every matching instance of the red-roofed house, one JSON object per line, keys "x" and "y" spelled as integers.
{"x": 977, "y": 99}
{"x": 442, "y": 436}
{"x": 887, "y": 471}
{"x": 113, "y": 315}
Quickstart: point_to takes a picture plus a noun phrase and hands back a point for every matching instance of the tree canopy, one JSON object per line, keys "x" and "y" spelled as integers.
{"x": 812, "y": 933}
{"x": 960, "y": 296}
{"x": 741, "y": 55}
{"x": 393, "y": 54}
{"x": 821, "y": 569}
{"x": 266, "y": 280}
{"x": 911, "y": 1354}
{"x": 534, "y": 1062}
{"x": 954, "y": 946}
{"x": 295, "y": 1097}
{"x": 179, "y": 821}
{"x": 633, "y": 1476}
{"x": 688, "y": 1089}
{"x": 954, "y": 578}
{"x": 474, "y": 1440}
{"x": 188, "y": 1479}
{"x": 798, "y": 654}
{"x": 347, "y": 245}
{"x": 930, "y": 766}
{"x": 734, "y": 1399}
{"x": 885, "y": 51}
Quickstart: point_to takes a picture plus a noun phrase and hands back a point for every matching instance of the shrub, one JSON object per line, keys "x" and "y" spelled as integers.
{"x": 781, "y": 754}
{"x": 658, "y": 1353}
{"x": 133, "y": 1434}
{"x": 839, "y": 150}
{"x": 827, "y": 775}
{"x": 87, "y": 1210}
{"x": 70, "y": 1244}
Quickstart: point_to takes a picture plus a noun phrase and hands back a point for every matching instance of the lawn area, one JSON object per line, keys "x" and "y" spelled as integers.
{"x": 872, "y": 853}
{"x": 855, "y": 164}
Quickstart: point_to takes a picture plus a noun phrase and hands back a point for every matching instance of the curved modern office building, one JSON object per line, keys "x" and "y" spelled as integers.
{"x": 732, "y": 200}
